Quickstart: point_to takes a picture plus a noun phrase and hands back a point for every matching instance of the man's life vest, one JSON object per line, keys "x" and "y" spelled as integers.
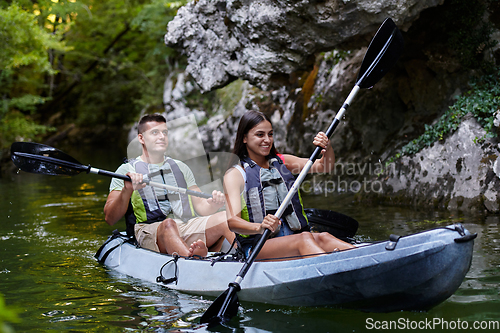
{"x": 266, "y": 189}
{"x": 149, "y": 204}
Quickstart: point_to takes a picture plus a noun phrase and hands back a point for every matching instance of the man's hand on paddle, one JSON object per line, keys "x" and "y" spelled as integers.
{"x": 136, "y": 181}
{"x": 218, "y": 199}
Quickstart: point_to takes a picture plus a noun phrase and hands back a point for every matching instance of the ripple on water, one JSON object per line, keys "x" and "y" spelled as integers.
{"x": 51, "y": 232}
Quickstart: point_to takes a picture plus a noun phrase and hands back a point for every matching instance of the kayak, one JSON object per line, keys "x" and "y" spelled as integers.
{"x": 412, "y": 272}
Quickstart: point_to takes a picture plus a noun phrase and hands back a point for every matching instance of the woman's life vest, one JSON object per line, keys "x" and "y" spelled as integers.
{"x": 150, "y": 204}
{"x": 266, "y": 189}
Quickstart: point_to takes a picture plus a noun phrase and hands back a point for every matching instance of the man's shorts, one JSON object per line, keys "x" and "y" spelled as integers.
{"x": 190, "y": 231}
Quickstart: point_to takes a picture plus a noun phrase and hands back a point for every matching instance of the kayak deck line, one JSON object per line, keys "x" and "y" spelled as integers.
{"x": 421, "y": 271}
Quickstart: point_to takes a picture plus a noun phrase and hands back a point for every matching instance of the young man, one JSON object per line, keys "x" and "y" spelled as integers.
{"x": 165, "y": 221}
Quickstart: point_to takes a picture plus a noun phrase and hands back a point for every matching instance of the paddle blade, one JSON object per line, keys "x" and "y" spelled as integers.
{"x": 38, "y": 158}
{"x": 222, "y": 309}
{"x": 383, "y": 52}
{"x": 337, "y": 224}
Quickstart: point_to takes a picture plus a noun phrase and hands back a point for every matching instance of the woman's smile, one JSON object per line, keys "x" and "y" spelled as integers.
{"x": 259, "y": 140}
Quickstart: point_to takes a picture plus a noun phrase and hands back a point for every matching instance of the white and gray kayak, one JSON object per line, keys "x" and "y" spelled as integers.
{"x": 414, "y": 272}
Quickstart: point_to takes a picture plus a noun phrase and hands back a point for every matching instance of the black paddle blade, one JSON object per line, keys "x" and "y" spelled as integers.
{"x": 383, "y": 52}
{"x": 222, "y": 309}
{"x": 38, "y": 158}
{"x": 337, "y": 224}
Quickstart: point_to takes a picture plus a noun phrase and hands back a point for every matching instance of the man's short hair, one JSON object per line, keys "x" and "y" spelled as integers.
{"x": 149, "y": 118}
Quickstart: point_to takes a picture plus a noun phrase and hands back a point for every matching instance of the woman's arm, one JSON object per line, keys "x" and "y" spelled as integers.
{"x": 324, "y": 164}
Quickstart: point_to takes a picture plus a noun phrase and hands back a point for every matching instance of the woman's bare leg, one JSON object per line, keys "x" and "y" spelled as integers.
{"x": 215, "y": 229}
{"x": 330, "y": 243}
{"x": 299, "y": 245}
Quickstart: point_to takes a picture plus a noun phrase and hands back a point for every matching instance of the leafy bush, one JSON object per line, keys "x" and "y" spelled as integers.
{"x": 15, "y": 126}
{"x": 482, "y": 101}
{"x": 23, "y": 62}
{"x": 6, "y": 315}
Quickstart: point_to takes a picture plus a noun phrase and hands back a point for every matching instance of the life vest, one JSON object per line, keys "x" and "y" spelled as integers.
{"x": 264, "y": 186}
{"x": 146, "y": 204}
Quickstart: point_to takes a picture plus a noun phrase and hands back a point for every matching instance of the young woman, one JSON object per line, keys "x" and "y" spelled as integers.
{"x": 256, "y": 186}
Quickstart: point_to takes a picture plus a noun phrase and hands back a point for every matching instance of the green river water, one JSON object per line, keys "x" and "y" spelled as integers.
{"x": 50, "y": 228}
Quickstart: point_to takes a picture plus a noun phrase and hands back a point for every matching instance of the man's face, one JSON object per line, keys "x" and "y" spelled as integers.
{"x": 155, "y": 137}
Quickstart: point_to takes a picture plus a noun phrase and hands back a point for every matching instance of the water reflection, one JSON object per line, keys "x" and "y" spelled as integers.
{"x": 50, "y": 228}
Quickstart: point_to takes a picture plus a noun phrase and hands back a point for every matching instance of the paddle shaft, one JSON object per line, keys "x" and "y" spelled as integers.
{"x": 329, "y": 132}
{"x": 314, "y": 156}
{"x": 381, "y": 55}
{"x": 148, "y": 182}
{"x": 89, "y": 169}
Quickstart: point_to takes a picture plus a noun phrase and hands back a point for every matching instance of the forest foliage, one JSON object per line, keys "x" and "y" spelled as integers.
{"x": 80, "y": 61}
{"x": 100, "y": 63}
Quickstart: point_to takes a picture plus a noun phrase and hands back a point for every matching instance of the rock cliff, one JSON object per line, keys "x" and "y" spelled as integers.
{"x": 299, "y": 60}
{"x": 265, "y": 41}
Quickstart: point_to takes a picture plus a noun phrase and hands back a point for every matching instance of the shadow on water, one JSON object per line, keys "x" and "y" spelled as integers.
{"x": 50, "y": 228}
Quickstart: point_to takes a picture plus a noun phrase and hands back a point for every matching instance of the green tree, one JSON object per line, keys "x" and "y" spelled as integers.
{"x": 118, "y": 62}
{"x": 23, "y": 65}
{"x": 111, "y": 65}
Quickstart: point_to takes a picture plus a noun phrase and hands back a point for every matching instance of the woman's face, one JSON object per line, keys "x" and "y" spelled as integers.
{"x": 259, "y": 140}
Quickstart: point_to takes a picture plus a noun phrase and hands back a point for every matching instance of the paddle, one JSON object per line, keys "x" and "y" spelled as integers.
{"x": 38, "y": 158}
{"x": 383, "y": 52}
{"x": 337, "y": 224}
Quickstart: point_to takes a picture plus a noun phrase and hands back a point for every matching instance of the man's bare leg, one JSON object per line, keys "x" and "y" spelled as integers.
{"x": 217, "y": 245}
{"x": 170, "y": 241}
{"x": 215, "y": 229}
{"x": 198, "y": 248}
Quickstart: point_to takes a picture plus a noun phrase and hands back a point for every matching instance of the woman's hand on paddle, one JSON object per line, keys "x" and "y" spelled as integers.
{"x": 270, "y": 222}
{"x": 321, "y": 140}
{"x": 326, "y": 163}
{"x": 218, "y": 199}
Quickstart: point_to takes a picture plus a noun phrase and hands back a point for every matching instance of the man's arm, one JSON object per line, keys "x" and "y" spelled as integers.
{"x": 117, "y": 203}
{"x": 210, "y": 206}
{"x": 116, "y": 206}
{"x": 202, "y": 206}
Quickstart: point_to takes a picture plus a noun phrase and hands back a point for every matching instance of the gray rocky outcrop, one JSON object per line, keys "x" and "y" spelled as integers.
{"x": 223, "y": 43}
{"x": 460, "y": 173}
{"x": 264, "y": 41}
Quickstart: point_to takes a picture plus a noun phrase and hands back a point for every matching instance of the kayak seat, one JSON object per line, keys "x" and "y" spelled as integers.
{"x": 116, "y": 234}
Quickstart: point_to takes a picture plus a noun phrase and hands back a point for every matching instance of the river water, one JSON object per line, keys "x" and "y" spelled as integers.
{"x": 50, "y": 228}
